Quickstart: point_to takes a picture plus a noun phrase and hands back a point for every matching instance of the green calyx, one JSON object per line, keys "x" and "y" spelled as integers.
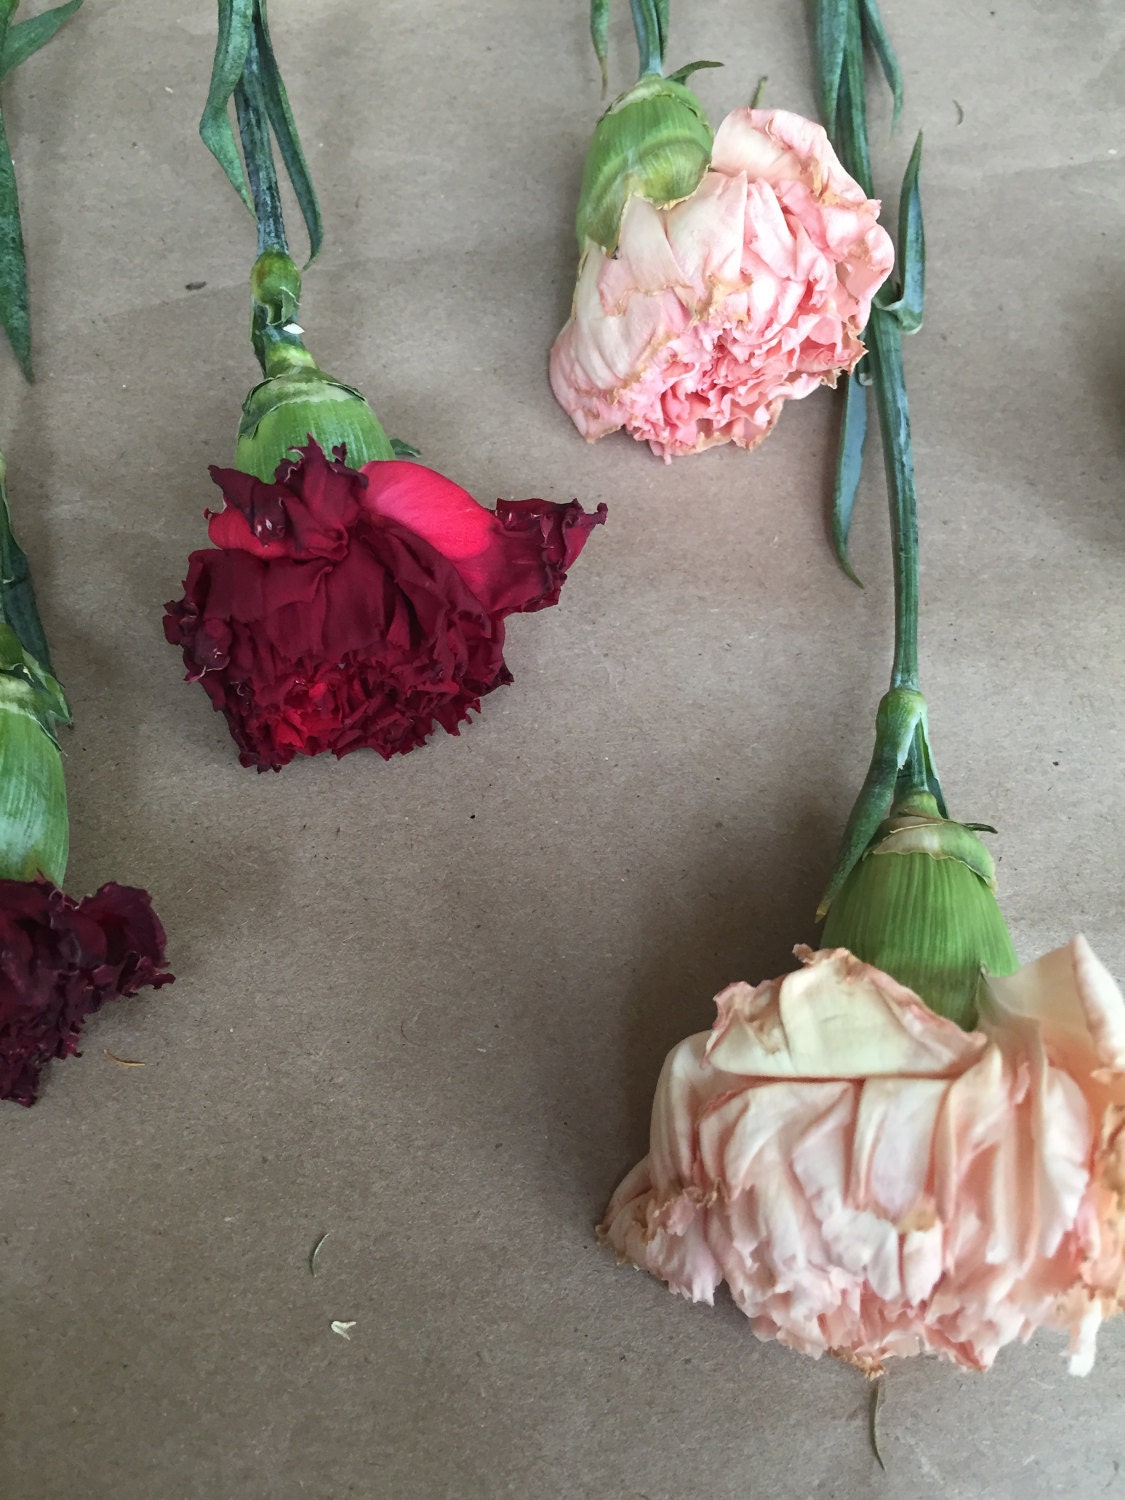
{"x": 34, "y": 826}
{"x": 297, "y": 400}
{"x": 284, "y": 412}
{"x": 920, "y": 905}
{"x": 653, "y": 142}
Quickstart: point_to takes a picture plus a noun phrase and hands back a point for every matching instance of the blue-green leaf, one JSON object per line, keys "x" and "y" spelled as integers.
{"x": 285, "y": 131}
{"x": 849, "y": 463}
{"x": 876, "y": 33}
{"x": 599, "y": 35}
{"x": 646, "y": 25}
{"x": 28, "y": 36}
{"x": 662, "y": 9}
{"x": 933, "y": 780}
{"x": 15, "y": 314}
{"x": 912, "y": 244}
{"x": 17, "y": 596}
{"x": 831, "y": 37}
{"x": 236, "y": 23}
{"x": 909, "y": 304}
{"x": 681, "y": 75}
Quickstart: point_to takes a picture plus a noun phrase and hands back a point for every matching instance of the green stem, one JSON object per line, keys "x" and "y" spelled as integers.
{"x": 884, "y": 356}
{"x": 884, "y": 342}
{"x": 253, "y": 127}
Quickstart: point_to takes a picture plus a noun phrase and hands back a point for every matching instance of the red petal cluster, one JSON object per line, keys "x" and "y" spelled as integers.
{"x": 342, "y": 608}
{"x": 61, "y": 960}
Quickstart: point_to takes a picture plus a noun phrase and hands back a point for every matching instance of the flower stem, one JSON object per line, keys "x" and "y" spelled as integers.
{"x": 253, "y": 127}
{"x": 884, "y": 356}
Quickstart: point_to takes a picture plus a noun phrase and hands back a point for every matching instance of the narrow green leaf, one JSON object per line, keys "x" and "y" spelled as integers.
{"x": 285, "y": 131}
{"x": 933, "y": 780}
{"x": 912, "y": 244}
{"x": 646, "y": 25}
{"x": 849, "y": 463}
{"x": 906, "y": 300}
{"x": 831, "y": 37}
{"x": 681, "y": 75}
{"x": 236, "y": 21}
{"x": 900, "y": 712}
{"x": 15, "y": 315}
{"x": 662, "y": 8}
{"x": 28, "y": 36}
{"x": 599, "y": 35}
{"x": 876, "y": 33}
{"x": 403, "y": 449}
{"x": 17, "y": 596}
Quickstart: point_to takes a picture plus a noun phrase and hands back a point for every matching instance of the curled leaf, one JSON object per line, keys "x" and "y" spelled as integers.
{"x": 236, "y": 24}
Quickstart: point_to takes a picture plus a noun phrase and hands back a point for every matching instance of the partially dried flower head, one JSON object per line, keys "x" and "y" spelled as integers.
{"x": 713, "y": 311}
{"x": 871, "y": 1181}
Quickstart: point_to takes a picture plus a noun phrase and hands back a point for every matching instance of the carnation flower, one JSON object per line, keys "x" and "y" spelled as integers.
{"x": 871, "y": 1181}
{"x": 61, "y": 960}
{"x": 342, "y": 608}
{"x": 710, "y": 312}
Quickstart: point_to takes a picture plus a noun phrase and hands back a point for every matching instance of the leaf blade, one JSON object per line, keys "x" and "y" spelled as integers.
{"x": 849, "y": 465}
{"x": 681, "y": 75}
{"x": 900, "y": 712}
{"x": 599, "y": 35}
{"x": 15, "y": 310}
{"x": 232, "y": 44}
{"x": 28, "y": 36}
{"x": 908, "y": 303}
{"x": 662, "y": 8}
{"x": 912, "y": 244}
{"x": 876, "y": 33}
{"x": 831, "y": 38}
{"x": 285, "y": 132}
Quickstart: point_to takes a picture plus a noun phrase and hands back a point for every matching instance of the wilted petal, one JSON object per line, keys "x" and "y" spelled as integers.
{"x": 873, "y": 1182}
{"x": 720, "y": 308}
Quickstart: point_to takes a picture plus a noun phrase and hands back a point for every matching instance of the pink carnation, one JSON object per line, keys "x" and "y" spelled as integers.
{"x": 871, "y": 1181}
{"x": 714, "y": 311}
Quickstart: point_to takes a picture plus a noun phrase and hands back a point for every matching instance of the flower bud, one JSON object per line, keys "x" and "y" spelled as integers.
{"x": 34, "y": 828}
{"x": 654, "y": 141}
{"x": 921, "y": 906}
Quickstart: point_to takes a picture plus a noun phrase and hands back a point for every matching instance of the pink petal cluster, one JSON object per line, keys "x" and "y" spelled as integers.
{"x": 714, "y": 311}
{"x": 871, "y": 1181}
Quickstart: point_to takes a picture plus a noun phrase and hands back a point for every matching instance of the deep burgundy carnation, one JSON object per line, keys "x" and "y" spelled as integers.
{"x": 61, "y": 960}
{"x": 342, "y": 608}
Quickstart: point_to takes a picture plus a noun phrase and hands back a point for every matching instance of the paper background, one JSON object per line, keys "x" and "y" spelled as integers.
{"x": 422, "y": 1006}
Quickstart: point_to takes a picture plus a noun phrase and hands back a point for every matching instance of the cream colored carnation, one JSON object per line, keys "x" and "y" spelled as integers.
{"x": 871, "y": 1181}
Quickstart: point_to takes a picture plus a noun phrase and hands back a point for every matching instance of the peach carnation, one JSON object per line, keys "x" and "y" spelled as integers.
{"x": 871, "y": 1181}
{"x": 715, "y": 310}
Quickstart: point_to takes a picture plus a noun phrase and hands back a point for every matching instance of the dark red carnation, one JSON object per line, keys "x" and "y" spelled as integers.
{"x": 61, "y": 960}
{"x": 341, "y": 608}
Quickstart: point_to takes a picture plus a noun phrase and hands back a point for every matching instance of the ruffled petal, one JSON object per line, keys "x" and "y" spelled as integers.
{"x": 955, "y": 1194}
